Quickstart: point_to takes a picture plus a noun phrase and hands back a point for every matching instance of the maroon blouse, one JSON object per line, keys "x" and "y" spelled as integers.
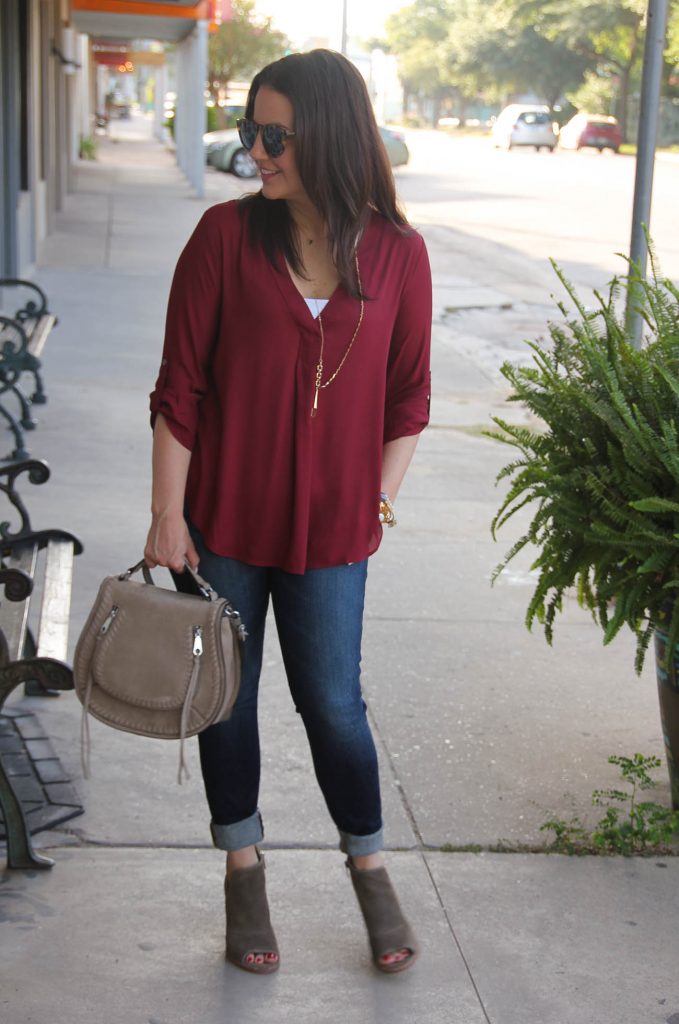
{"x": 268, "y": 484}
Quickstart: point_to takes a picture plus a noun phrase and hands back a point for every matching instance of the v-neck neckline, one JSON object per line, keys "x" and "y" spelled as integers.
{"x": 338, "y": 287}
{"x": 295, "y": 300}
{"x": 293, "y": 296}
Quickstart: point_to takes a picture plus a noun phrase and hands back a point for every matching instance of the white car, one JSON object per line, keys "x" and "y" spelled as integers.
{"x": 520, "y": 125}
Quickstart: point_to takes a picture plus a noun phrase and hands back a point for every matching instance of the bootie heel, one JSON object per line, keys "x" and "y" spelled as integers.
{"x": 388, "y": 930}
{"x": 249, "y": 934}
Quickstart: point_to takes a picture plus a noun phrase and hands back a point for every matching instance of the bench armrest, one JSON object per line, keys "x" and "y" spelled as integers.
{"x": 34, "y": 307}
{"x": 17, "y": 583}
{"x": 38, "y": 473}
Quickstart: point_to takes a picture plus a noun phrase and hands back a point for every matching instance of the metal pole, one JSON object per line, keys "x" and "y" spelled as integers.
{"x": 654, "y": 46}
{"x": 344, "y": 28}
{"x": 10, "y": 134}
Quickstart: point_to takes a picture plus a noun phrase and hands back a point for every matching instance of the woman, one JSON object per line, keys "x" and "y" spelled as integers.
{"x": 293, "y": 386}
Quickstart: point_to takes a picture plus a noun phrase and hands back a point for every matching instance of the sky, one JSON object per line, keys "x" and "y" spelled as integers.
{"x": 301, "y": 19}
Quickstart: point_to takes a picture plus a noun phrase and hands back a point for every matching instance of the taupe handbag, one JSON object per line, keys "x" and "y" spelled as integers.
{"x": 157, "y": 662}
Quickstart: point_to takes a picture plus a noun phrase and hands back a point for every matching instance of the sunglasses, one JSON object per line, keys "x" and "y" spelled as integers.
{"x": 273, "y": 135}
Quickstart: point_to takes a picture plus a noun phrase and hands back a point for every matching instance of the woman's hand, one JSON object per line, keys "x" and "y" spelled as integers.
{"x": 169, "y": 543}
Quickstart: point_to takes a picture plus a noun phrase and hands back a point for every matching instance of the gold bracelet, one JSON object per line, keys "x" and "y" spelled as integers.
{"x": 387, "y": 517}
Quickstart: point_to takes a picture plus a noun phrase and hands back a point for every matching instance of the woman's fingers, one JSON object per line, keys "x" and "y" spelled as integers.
{"x": 191, "y": 554}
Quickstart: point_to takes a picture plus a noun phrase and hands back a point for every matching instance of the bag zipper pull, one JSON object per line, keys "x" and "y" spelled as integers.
{"x": 197, "y": 641}
{"x": 106, "y": 624}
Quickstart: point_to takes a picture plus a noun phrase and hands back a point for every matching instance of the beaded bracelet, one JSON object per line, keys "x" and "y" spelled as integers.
{"x": 387, "y": 516}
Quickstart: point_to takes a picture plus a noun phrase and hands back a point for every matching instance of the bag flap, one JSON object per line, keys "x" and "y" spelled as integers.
{"x": 145, "y": 656}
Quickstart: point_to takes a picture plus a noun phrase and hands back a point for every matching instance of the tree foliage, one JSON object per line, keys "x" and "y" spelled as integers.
{"x": 240, "y": 47}
{"x": 417, "y": 35}
{"x": 609, "y": 33}
{"x": 673, "y": 37}
{"x": 495, "y": 48}
{"x": 512, "y": 55}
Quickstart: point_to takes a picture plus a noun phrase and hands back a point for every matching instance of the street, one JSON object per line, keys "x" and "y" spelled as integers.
{"x": 491, "y": 220}
{"x": 574, "y": 207}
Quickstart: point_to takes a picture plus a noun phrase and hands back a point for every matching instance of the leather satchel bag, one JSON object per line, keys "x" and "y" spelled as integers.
{"x": 157, "y": 662}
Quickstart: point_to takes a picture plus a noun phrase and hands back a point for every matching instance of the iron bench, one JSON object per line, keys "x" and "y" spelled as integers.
{"x": 40, "y": 665}
{"x": 22, "y": 339}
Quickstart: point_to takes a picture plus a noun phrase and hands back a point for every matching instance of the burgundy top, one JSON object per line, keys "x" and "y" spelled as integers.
{"x": 268, "y": 484}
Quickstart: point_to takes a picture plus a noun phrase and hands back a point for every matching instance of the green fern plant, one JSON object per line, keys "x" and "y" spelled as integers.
{"x": 602, "y": 479}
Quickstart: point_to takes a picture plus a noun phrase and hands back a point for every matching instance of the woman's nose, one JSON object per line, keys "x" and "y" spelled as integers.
{"x": 258, "y": 152}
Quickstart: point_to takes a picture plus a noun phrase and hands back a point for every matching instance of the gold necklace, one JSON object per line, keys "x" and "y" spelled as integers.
{"x": 319, "y": 368}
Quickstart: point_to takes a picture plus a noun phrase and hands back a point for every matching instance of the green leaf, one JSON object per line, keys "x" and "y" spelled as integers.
{"x": 655, "y": 505}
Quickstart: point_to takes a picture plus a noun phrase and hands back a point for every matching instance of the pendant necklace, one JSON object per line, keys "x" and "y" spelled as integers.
{"x": 320, "y": 384}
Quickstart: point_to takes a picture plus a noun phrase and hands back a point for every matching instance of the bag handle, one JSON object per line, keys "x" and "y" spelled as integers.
{"x": 203, "y": 586}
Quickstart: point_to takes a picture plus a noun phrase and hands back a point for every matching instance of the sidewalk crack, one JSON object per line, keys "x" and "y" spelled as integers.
{"x": 456, "y": 940}
{"x": 109, "y": 224}
{"x": 410, "y": 814}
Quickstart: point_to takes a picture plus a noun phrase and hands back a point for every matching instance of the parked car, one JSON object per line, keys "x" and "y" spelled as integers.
{"x": 597, "y": 131}
{"x": 520, "y": 125}
{"x": 395, "y": 145}
{"x": 224, "y": 150}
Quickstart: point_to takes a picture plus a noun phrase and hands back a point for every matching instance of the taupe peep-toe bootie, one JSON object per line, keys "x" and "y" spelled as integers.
{"x": 388, "y": 930}
{"x": 249, "y": 934}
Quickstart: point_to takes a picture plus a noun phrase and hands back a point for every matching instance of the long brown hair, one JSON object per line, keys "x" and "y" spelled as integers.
{"x": 341, "y": 159}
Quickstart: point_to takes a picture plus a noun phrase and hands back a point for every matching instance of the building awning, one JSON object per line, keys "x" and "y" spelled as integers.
{"x": 166, "y": 20}
{"x": 117, "y": 52}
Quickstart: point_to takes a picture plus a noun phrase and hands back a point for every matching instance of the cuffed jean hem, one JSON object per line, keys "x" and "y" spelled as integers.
{"x": 247, "y": 832}
{"x": 361, "y": 846}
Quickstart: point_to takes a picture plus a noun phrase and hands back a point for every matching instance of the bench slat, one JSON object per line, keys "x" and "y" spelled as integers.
{"x": 14, "y": 614}
{"x": 40, "y": 334}
{"x": 56, "y": 601}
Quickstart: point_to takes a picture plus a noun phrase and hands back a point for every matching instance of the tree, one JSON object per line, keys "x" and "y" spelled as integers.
{"x": 240, "y": 47}
{"x": 478, "y": 48}
{"x": 672, "y": 53}
{"x": 590, "y": 50}
{"x": 673, "y": 35}
{"x": 609, "y": 33}
{"x": 550, "y": 68}
{"x": 513, "y": 57}
{"x": 416, "y": 34}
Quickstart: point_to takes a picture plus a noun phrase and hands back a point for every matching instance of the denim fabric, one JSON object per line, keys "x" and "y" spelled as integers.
{"x": 241, "y": 833}
{"x": 319, "y": 617}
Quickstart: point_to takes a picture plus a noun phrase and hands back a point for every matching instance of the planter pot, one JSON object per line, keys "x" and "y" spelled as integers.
{"x": 668, "y": 694}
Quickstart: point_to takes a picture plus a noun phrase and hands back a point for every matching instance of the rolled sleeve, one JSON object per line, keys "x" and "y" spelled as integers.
{"x": 408, "y": 375}
{"x": 179, "y": 410}
{"x": 193, "y": 315}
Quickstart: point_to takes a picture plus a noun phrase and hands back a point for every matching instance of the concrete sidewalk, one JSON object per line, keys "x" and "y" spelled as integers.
{"x": 483, "y": 731}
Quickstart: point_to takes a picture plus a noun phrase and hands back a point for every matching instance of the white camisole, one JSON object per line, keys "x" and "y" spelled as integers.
{"x": 316, "y": 306}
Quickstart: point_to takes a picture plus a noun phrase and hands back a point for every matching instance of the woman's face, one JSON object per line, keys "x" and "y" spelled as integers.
{"x": 280, "y": 179}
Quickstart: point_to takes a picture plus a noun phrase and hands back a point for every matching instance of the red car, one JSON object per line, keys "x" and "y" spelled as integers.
{"x": 598, "y": 132}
